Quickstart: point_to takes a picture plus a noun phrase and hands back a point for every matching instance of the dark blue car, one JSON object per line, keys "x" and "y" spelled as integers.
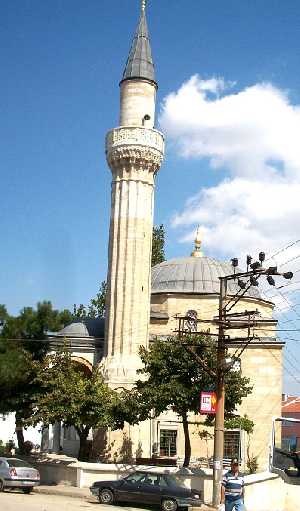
{"x": 150, "y": 488}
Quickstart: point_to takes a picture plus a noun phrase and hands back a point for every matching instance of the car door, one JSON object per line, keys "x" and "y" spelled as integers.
{"x": 128, "y": 490}
{"x": 149, "y": 491}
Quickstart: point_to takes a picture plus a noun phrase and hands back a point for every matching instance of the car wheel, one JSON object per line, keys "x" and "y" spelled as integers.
{"x": 27, "y": 490}
{"x": 1, "y": 486}
{"x": 106, "y": 496}
{"x": 169, "y": 505}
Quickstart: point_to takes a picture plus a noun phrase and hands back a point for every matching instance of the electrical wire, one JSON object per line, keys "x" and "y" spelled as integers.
{"x": 284, "y": 367}
{"x": 290, "y": 260}
{"x": 283, "y": 249}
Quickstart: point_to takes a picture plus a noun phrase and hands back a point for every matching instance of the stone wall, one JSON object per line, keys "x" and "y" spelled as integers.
{"x": 263, "y": 492}
{"x": 261, "y": 363}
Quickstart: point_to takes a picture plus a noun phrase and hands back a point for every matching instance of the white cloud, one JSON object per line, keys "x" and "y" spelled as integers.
{"x": 253, "y": 133}
{"x": 253, "y": 138}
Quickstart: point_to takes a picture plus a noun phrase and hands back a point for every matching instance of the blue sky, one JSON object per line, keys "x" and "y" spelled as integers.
{"x": 61, "y": 65}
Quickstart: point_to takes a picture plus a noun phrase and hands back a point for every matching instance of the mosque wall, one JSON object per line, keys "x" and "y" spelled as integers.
{"x": 261, "y": 363}
{"x": 207, "y": 307}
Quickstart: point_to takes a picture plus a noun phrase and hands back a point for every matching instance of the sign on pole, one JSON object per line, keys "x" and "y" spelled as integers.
{"x": 208, "y": 402}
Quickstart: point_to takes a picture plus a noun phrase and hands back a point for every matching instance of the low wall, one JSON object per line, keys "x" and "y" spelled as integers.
{"x": 263, "y": 492}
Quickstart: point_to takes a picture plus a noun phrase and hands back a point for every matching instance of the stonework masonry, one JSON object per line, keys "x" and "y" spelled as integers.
{"x": 137, "y": 100}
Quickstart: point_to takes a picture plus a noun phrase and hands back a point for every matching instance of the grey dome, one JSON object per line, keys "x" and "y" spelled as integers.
{"x": 89, "y": 327}
{"x": 194, "y": 275}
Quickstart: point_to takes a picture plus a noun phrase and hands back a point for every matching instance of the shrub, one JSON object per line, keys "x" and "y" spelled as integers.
{"x": 28, "y": 446}
{"x": 252, "y": 464}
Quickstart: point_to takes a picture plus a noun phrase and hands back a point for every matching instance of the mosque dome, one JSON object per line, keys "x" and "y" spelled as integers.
{"x": 195, "y": 274}
{"x": 89, "y": 327}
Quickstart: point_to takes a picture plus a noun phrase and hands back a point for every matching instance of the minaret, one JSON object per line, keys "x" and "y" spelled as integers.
{"x": 134, "y": 154}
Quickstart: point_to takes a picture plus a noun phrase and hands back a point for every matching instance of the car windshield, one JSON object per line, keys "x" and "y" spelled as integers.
{"x": 14, "y": 462}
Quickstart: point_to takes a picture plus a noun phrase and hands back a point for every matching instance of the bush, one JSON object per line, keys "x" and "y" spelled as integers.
{"x": 252, "y": 464}
{"x": 28, "y": 446}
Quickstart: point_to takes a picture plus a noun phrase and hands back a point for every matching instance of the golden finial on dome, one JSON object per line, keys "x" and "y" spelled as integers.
{"x": 143, "y": 5}
{"x": 197, "y": 252}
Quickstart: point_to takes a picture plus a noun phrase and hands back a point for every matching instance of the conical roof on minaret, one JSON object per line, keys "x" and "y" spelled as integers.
{"x": 140, "y": 63}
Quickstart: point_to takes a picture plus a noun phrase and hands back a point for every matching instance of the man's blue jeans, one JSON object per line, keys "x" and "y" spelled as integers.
{"x": 237, "y": 505}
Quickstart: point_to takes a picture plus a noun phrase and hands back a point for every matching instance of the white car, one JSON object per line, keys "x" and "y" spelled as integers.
{"x": 16, "y": 473}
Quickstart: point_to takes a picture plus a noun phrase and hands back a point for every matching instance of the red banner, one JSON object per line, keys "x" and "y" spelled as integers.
{"x": 208, "y": 403}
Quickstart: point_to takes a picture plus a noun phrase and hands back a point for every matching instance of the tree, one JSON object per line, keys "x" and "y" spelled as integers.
{"x": 96, "y": 307}
{"x": 23, "y": 340}
{"x": 68, "y": 395}
{"x": 175, "y": 380}
{"x": 158, "y": 245}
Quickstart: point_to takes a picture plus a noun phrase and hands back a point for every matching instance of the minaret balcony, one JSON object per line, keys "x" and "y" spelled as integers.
{"x": 129, "y": 146}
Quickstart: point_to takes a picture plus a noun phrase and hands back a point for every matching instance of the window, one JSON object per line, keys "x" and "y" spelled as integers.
{"x": 18, "y": 463}
{"x": 152, "y": 479}
{"x": 135, "y": 478}
{"x": 168, "y": 441}
{"x": 232, "y": 444}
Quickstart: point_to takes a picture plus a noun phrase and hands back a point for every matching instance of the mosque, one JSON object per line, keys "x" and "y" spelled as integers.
{"x": 144, "y": 303}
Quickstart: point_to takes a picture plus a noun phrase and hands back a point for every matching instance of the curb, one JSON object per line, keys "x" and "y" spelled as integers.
{"x": 68, "y": 491}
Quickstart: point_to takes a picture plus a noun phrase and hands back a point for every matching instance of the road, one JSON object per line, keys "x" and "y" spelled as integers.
{"x": 14, "y": 501}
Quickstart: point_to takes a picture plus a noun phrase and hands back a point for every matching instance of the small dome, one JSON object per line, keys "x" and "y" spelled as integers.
{"x": 194, "y": 275}
{"x": 90, "y": 327}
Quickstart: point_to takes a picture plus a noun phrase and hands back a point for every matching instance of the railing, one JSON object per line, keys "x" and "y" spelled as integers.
{"x": 134, "y": 135}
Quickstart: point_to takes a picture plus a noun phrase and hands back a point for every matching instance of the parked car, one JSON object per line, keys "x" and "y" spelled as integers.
{"x": 15, "y": 473}
{"x": 152, "y": 488}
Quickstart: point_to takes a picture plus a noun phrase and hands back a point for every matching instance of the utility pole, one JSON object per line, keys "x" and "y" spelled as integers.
{"x": 252, "y": 276}
{"x": 227, "y": 321}
{"x": 220, "y": 391}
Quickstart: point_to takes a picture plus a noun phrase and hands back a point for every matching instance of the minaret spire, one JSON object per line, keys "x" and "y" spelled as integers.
{"x": 140, "y": 63}
{"x": 197, "y": 252}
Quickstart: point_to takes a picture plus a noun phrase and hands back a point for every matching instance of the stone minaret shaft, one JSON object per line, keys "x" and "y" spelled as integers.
{"x": 134, "y": 153}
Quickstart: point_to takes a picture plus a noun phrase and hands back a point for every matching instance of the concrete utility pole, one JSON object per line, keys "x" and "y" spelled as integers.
{"x": 220, "y": 391}
{"x": 252, "y": 277}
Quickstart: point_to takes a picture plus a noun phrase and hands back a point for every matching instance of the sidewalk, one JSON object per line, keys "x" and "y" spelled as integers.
{"x": 64, "y": 490}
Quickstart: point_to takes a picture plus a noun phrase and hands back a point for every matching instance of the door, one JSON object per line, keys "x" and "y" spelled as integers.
{"x": 128, "y": 491}
{"x": 149, "y": 491}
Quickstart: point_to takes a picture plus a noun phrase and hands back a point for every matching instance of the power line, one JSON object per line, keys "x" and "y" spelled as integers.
{"x": 284, "y": 367}
{"x": 281, "y": 287}
{"x": 294, "y": 359}
{"x": 283, "y": 249}
{"x": 290, "y": 260}
{"x": 291, "y": 339}
{"x": 277, "y": 329}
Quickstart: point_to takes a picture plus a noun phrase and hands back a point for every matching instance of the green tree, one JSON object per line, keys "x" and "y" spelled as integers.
{"x": 174, "y": 379}
{"x": 96, "y": 307}
{"x": 23, "y": 341}
{"x": 71, "y": 396}
{"x": 158, "y": 245}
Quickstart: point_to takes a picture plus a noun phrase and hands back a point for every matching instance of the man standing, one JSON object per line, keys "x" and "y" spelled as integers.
{"x": 232, "y": 491}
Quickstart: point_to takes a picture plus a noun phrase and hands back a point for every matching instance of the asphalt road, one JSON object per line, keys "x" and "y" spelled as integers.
{"x": 14, "y": 501}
